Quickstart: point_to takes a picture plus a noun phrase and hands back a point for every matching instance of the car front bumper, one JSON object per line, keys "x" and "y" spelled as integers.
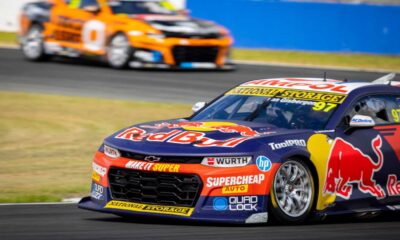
{"x": 242, "y": 203}
{"x": 176, "y": 53}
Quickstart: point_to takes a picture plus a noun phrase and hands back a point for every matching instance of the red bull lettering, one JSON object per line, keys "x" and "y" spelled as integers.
{"x": 197, "y": 139}
{"x": 393, "y": 186}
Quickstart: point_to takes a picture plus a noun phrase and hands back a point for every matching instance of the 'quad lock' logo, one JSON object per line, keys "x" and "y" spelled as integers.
{"x": 236, "y": 203}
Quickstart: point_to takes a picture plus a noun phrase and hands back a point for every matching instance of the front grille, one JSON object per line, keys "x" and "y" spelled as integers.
{"x": 163, "y": 159}
{"x": 170, "y": 189}
{"x": 192, "y": 36}
{"x": 195, "y": 54}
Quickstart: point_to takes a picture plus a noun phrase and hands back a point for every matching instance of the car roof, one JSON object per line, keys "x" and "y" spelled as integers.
{"x": 315, "y": 84}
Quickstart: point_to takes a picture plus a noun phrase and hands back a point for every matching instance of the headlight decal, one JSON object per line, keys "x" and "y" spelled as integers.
{"x": 111, "y": 152}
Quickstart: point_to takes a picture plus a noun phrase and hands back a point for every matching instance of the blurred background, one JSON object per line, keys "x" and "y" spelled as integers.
{"x": 363, "y": 26}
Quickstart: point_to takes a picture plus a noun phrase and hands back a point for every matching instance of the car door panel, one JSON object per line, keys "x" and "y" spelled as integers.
{"x": 73, "y": 28}
{"x": 362, "y": 160}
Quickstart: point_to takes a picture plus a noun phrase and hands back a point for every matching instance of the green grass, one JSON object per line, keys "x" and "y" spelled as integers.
{"x": 364, "y": 61}
{"x": 8, "y": 38}
{"x": 47, "y": 142}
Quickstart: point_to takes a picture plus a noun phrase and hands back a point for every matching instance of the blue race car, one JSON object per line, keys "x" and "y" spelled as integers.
{"x": 287, "y": 148}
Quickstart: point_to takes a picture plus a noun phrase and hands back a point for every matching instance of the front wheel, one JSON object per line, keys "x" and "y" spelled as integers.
{"x": 292, "y": 192}
{"x": 33, "y": 44}
{"x": 119, "y": 51}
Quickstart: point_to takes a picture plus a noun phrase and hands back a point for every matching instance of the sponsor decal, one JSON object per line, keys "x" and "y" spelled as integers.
{"x": 111, "y": 152}
{"x": 155, "y": 167}
{"x": 243, "y": 203}
{"x": 235, "y": 189}
{"x": 224, "y": 127}
{"x": 288, "y": 143}
{"x": 236, "y": 203}
{"x": 300, "y": 84}
{"x": 263, "y": 163}
{"x": 297, "y": 102}
{"x": 197, "y": 139}
{"x": 393, "y": 186}
{"x": 362, "y": 120}
{"x": 97, "y": 191}
{"x": 220, "y": 204}
{"x": 303, "y": 95}
{"x": 139, "y": 165}
{"x": 166, "y": 167}
{"x": 138, "y": 207}
{"x": 235, "y": 180}
{"x": 99, "y": 169}
{"x": 360, "y": 169}
{"x": 95, "y": 176}
{"x": 226, "y": 161}
{"x": 68, "y": 23}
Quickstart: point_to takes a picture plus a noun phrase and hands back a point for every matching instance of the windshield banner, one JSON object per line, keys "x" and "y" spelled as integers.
{"x": 289, "y": 94}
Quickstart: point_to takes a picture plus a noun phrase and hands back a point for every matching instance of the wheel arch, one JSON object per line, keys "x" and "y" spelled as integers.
{"x": 303, "y": 157}
{"x": 310, "y": 164}
{"x": 112, "y": 35}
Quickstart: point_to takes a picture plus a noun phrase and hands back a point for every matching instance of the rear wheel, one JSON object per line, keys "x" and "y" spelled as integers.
{"x": 33, "y": 44}
{"x": 292, "y": 193}
{"x": 119, "y": 51}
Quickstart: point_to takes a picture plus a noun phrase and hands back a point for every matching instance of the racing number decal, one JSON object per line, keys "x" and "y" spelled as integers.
{"x": 396, "y": 115}
{"x": 93, "y": 35}
{"x": 323, "y": 106}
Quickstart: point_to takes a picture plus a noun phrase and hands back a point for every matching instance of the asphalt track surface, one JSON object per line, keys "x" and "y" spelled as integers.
{"x": 67, "y": 222}
{"x": 84, "y": 78}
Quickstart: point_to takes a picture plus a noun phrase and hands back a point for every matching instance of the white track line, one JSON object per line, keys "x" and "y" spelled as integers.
{"x": 33, "y": 204}
{"x": 64, "y": 202}
{"x": 9, "y": 46}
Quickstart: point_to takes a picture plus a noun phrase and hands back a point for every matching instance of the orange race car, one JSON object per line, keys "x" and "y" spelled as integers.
{"x": 139, "y": 34}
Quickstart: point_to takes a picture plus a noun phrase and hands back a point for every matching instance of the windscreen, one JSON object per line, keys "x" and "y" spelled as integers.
{"x": 283, "y": 108}
{"x": 139, "y": 7}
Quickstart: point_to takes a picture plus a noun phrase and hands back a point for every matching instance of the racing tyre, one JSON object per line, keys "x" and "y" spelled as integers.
{"x": 119, "y": 51}
{"x": 292, "y": 192}
{"x": 33, "y": 44}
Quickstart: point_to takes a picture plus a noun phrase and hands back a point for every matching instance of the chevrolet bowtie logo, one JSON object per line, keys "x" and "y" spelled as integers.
{"x": 152, "y": 159}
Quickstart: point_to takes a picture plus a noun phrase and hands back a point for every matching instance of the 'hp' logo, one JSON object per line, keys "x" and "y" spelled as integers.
{"x": 263, "y": 163}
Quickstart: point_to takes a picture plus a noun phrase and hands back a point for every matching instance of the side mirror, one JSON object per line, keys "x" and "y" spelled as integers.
{"x": 92, "y": 8}
{"x": 360, "y": 121}
{"x": 197, "y": 106}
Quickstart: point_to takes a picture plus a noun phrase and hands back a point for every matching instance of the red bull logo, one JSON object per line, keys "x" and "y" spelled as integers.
{"x": 224, "y": 127}
{"x": 348, "y": 164}
{"x": 243, "y": 130}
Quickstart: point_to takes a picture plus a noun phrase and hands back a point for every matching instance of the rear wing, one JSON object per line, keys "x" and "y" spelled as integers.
{"x": 397, "y": 84}
{"x": 387, "y": 80}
